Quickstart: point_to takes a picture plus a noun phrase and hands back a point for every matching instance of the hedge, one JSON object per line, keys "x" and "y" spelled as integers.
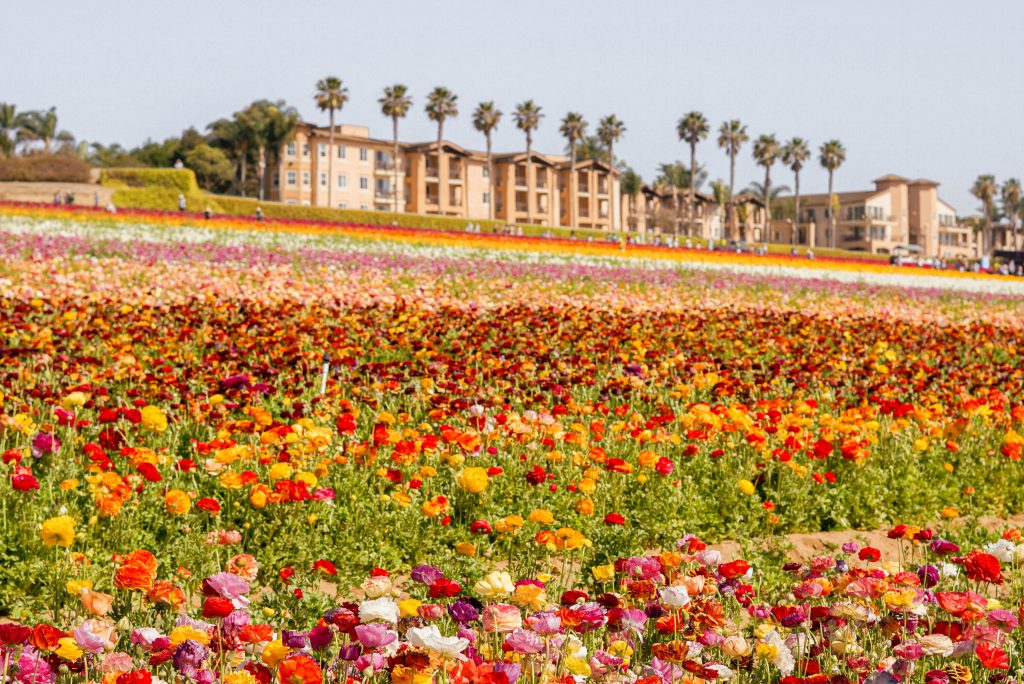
{"x": 39, "y": 168}
{"x": 179, "y": 180}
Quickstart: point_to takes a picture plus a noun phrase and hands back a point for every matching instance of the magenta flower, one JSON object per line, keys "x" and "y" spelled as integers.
{"x": 375, "y": 635}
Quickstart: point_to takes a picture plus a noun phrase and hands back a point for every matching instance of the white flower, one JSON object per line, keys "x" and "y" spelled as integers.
{"x": 783, "y": 658}
{"x": 385, "y": 609}
{"x": 675, "y": 597}
{"x": 375, "y": 587}
{"x": 723, "y": 671}
{"x": 950, "y": 570}
{"x": 1002, "y": 549}
{"x": 430, "y": 638}
{"x": 936, "y": 644}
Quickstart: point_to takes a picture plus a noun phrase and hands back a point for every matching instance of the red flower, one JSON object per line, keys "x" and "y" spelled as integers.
{"x": 286, "y": 574}
{"x": 983, "y": 567}
{"x": 217, "y": 607}
{"x": 536, "y": 475}
{"x": 134, "y": 677}
{"x": 992, "y": 657}
{"x": 444, "y": 587}
{"x": 480, "y": 527}
{"x": 24, "y": 482}
{"x": 149, "y": 471}
{"x": 870, "y": 554}
{"x": 494, "y": 471}
{"x": 325, "y": 566}
{"x": 209, "y": 505}
{"x": 734, "y": 569}
{"x": 12, "y": 634}
{"x": 614, "y": 519}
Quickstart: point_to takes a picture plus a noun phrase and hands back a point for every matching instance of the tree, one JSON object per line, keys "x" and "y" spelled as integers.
{"x": 731, "y": 136}
{"x": 832, "y": 156}
{"x": 758, "y": 190}
{"x": 631, "y": 186}
{"x": 1011, "y": 201}
{"x": 236, "y": 138}
{"x": 486, "y": 117}
{"x": 722, "y": 194}
{"x": 213, "y": 169}
{"x": 527, "y": 117}
{"x": 574, "y": 129}
{"x": 40, "y": 126}
{"x": 676, "y": 176}
{"x": 794, "y": 154}
{"x": 331, "y": 96}
{"x": 273, "y": 124}
{"x": 692, "y": 128}
{"x": 395, "y": 103}
{"x": 984, "y": 189}
{"x": 590, "y": 147}
{"x": 441, "y": 105}
{"x": 610, "y": 129}
{"x": 766, "y": 153}
{"x": 10, "y": 124}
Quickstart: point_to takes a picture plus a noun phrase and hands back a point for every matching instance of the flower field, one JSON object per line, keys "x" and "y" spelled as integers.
{"x": 516, "y": 467}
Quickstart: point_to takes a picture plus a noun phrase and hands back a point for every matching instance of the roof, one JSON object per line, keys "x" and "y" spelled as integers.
{"x": 891, "y": 177}
{"x": 587, "y": 163}
{"x": 822, "y": 197}
{"x": 446, "y": 144}
{"x": 749, "y": 197}
{"x": 515, "y": 157}
{"x": 924, "y": 181}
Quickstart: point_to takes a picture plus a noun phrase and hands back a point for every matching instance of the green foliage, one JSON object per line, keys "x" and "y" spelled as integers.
{"x": 212, "y": 167}
{"x": 63, "y": 168}
{"x": 180, "y": 180}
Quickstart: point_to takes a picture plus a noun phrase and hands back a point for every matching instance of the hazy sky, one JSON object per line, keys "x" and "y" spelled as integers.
{"x": 931, "y": 88}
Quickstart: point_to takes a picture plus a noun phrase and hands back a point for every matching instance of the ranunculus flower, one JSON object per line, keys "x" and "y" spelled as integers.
{"x": 501, "y": 617}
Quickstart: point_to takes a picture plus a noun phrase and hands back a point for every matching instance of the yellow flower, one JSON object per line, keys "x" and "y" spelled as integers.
{"x": 530, "y": 595}
{"x": 587, "y": 485}
{"x": 177, "y": 502}
{"x": 473, "y": 480}
{"x": 495, "y": 585}
{"x": 239, "y": 677}
{"x": 180, "y": 635}
{"x": 949, "y": 513}
{"x": 409, "y": 607}
{"x": 154, "y": 419}
{"x": 746, "y": 486}
{"x": 603, "y": 573}
{"x": 466, "y": 549}
{"x": 509, "y": 524}
{"x": 542, "y": 516}
{"x": 274, "y": 652}
{"x": 279, "y": 471}
{"x": 74, "y": 400}
{"x": 585, "y": 507}
{"x": 577, "y": 666}
{"x": 69, "y": 484}
{"x": 68, "y": 649}
{"x": 75, "y": 586}
{"x": 59, "y": 531}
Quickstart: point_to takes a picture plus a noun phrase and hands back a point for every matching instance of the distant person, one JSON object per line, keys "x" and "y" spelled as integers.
{"x": 111, "y": 208}
{"x": 810, "y": 253}
{"x": 181, "y": 202}
{"x": 69, "y": 198}
{"x": 96, "y": 199}
{"x": 207, "y": 213}
{"x": 259, "y": 213}
{"x": 178, "y": 164}
{"x": 57, "y": 197}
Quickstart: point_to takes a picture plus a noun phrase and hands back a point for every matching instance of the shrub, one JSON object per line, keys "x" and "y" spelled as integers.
{"x": 36, "y": 168}
{"x": 179, "y": 180}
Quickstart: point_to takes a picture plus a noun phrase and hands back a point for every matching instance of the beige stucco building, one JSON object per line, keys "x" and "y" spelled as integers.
{"x": 359, "y": 172}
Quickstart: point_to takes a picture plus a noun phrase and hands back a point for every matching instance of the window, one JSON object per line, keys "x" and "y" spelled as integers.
{"x": 291, "y": 178}
{"x": 487, "y": 198}
{"x": 277, "y": 178}
{"x": 364, "y": 207}
{"x": 341, "y": 151}
{"x": 305, "y": 149}
{"x": 364, "y": 183}
{"x": 363, "y": 154}
{"x": 323, "y": 150}
{"x": 343, "y": 205}
{"x": 290, "y": 149}
{"x": 342, "y": 181}
{"x": 305, "y": 178}
{"x": 305, "y": 203}
{"x": 323, "y": 180}
{"x": 291, "y": 202}
{"x": 487, "y": 172}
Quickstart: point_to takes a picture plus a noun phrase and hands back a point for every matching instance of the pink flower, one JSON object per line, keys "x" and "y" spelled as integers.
{"x": 375, "y": 635}
{"x": 545, "y": 622}
{"x": 524, "y": 642}
{"x": 231, "y": 587}
{"x": 502, "y": 617}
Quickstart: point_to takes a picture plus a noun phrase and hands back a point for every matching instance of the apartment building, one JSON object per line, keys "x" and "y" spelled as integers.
{"x": 898, "y": 214}
{"x": 359, "y": 172}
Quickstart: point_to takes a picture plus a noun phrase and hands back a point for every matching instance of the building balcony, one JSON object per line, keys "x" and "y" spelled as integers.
{"x": 521, "y": 208}
{"x": 431, "y": 172}
{"x": 387, "y": 167}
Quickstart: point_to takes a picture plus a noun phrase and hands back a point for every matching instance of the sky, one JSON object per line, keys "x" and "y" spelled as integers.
{"x": 921, "y": 88}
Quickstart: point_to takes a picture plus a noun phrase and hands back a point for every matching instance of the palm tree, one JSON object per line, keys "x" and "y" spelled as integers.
{"x": 722, "y": 194}
{"x": 794, "y": 154}
{"x": 833, "y": 154}
{"x": 395, "y": 103}
{"x": 610, "y": 130}
{"x": 527, "y": 117}
{"x": 984, "y": 189}
{"x": 41, "y": 126}
{"x": 574, "y": 128}
{"x": 766, "y": 152}
{"x": 1011, "y": 200}
{"x": 485, "y": 119}
{"x": 273, "y": 124}
{"x": 10, "y": 123}
{"x": 590, "y": 147}
{"x": 692, "y": 128}
{"x": 331, "y": 96}
{"x": 631, "y": 185}
{"x": 441, "y": 104}
{"x": 731, "y": 136}
{"x": 758, "y": 189}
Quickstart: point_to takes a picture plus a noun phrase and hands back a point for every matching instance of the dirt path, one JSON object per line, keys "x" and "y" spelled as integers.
{"x": 85, "y": 193}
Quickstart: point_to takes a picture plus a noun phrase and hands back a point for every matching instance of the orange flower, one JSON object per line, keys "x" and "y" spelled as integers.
{"x": 299, "y": 669}
{"x": 177, "y": 502}
{"x": 137, "y": 571}
{"x": 96, "y": 602}
{"x": 166, "y": 593}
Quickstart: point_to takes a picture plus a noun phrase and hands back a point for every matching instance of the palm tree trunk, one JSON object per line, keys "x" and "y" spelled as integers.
{"x": 831, "y": 214}
{"x": 394, "y": 158}
{"x": 611, "y": 186}
{"x": 766, "y": 224}
{"x": 243, "y": 163}
{"x": 440, "y": 176}
{"x": 490, "y": 179}
{"x": 330, "y": 159}
{"x": 262, "y": 169}
{"x": 529, "y": 177}
{"x": 693, "y": 189}
{"x": 731, "y": 209}
{"x": 571, "y": 214}
{"x": 796, "y": 218}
